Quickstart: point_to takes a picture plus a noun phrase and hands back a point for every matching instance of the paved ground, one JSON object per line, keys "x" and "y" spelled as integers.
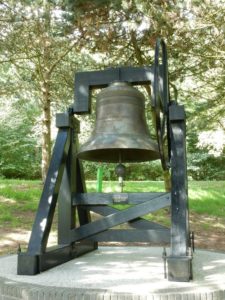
{"x": 130, "y": 271}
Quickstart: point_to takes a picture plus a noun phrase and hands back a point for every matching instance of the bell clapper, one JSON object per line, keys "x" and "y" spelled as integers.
{"x": 120, "y": 171}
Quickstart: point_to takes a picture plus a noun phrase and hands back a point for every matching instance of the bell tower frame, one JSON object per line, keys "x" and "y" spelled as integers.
{"x": 65, "y": 184}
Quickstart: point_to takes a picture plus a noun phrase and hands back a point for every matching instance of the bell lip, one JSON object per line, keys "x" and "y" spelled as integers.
{"x": 133, "y": 148}
{"x": 123, "y": 141}
{"x": 108, "y": 155}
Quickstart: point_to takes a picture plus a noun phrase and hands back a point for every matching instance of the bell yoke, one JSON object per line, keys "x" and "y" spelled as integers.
{"x": 121, "y": 135}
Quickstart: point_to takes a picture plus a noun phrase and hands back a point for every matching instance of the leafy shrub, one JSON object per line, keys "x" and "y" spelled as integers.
{"x": 204, "y": 166}
{"x": 134, "y": 171}
{"x": 20, "y": 155}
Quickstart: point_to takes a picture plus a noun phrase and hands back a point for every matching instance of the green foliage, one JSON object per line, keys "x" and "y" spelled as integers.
{"x": 134, "y": 171}
{"x": 20, "y": 157}
{"x": 200, "y": 165}
{"x": 145, "y": 171}
{"x": 20, "y": 152}
{"x": 203, "y": 166}
{"x": 44, "y": 42}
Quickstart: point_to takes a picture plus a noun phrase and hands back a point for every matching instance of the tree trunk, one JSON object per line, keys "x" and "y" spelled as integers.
{"x": 167, "y": 180}
{"x": 46, "y": 131}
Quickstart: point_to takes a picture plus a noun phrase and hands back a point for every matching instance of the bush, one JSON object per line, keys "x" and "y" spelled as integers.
{"x": 134, "y": 171}
{"x": 20, "y": 156}
{"x": 203, "y": 166}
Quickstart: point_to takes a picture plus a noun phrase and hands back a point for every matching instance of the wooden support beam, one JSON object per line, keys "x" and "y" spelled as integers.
{"x": 133, "y": 235}
{"x": 137, "y": 223}
{"x": 115, "y": 198}
{"x": 46, "y": 208}
{"x": 120, "y": 217}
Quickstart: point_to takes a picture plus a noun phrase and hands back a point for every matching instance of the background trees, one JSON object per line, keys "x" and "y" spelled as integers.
{"x": 37, "y": 44}
{"x": 44, "y": 42}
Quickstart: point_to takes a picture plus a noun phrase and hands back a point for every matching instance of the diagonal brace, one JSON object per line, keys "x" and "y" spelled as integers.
{"x": 45, "y": 212}
{"x": 120, "y": 217}
{"x": 137, "y": 223}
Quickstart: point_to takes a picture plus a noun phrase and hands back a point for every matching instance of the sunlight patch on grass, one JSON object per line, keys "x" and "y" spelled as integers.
{"x": 7, "y": 200}
{"x": 219, "y": 225}
{"x": 2, "y": 185}
{"x": 198, "y": 195}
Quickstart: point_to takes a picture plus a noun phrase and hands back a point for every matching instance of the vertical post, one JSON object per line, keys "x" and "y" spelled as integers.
{"x": 66, "y": 211}
{"x": 179, "y": 262}
{"x": 84, "y": 215}
{"x": 99, "y": 179}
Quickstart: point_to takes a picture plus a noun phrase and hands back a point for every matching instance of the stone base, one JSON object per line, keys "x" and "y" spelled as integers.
{"x": 116, "y": 273}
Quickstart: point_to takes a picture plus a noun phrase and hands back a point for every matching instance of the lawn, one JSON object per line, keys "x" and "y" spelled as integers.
{"x": 19, "y": 200}
{"x": 18, "y": 197}
{"x": 205, "y": 197}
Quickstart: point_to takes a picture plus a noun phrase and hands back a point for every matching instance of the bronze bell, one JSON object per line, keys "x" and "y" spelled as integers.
{"x": 121, "y": 133}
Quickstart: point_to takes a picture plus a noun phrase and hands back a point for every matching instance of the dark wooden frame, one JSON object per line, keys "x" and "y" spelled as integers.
{"x": 65, "y": 185}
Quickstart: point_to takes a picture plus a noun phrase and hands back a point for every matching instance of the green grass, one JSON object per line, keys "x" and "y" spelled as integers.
{"x": 205, "y": 197}
{"x": 130, "y": 186}
{"x": 26, "y": 190}
{"x": 18, "y": 197}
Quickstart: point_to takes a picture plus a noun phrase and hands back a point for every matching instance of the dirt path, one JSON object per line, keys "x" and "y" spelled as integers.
{"x": 209, "y": 234}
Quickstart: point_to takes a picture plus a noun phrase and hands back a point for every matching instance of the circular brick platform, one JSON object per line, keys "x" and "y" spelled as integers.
{"x": 116, "y": 273}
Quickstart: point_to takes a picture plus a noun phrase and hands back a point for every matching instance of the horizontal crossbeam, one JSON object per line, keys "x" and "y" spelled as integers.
{"x": 133, "y": 235}
{"x": 86, "y": 81}
{"x": 118, "y": 218}
{"x": 114, "y": 198}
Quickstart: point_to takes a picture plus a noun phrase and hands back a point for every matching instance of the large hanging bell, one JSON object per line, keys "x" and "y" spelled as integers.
{"x": 121, "y": 133}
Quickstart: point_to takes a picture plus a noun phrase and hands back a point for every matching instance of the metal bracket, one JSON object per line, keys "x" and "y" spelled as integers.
{"x": 179, "y": 268}
{"x": 120, "y": 198}
{"x": 192, "y": 241}
{"x": 87, "y": 81}
{"x": 164, "y": 256}
{"x": 65, "y": 120}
